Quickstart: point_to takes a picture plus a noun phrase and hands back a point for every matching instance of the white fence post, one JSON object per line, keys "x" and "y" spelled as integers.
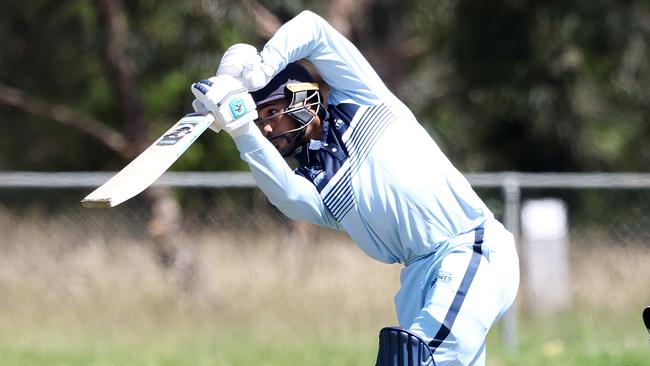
{"x": 512, "y": 195}
{"x": 546, "y": 254}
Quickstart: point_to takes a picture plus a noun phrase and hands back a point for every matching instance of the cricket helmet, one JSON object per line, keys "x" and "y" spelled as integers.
{"x": 297, "y": 86}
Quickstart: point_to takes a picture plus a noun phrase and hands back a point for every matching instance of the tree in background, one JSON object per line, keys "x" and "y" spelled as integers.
{"x": 502, "y": 85}
{"x": 538, "y": 85}
{"x": 525, "y": 85}
{"x": 107, "y": 71}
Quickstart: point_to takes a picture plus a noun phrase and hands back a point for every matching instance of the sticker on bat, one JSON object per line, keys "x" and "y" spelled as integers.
{"x": 177, "y": 134}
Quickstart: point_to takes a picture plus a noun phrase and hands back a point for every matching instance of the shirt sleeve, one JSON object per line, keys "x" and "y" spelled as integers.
{"x": 292, "y": 194}
{"x": 338, "y": 61}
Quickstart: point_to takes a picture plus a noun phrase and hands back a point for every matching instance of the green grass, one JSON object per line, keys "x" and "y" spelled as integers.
{"x": 576, "y": 338}
{"x": 181, "y": 344}
{"x": 571, "y": 339}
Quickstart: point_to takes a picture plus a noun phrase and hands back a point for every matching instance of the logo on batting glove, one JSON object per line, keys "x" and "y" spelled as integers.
{"x": 237, "y": 107}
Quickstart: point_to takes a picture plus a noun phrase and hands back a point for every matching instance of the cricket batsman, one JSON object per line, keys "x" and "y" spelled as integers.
{"x": 368, "y": 167}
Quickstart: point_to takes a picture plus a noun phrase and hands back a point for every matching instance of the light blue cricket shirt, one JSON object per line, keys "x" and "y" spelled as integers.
{"x": 394, "y": 192}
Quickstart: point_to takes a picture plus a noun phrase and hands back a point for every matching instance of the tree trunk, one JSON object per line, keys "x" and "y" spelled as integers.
{"x": 165, "y": 223}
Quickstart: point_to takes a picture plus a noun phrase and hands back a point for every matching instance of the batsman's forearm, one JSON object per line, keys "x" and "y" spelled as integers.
{"x": 294, "y": 195}
{"x": 338, "y": 61}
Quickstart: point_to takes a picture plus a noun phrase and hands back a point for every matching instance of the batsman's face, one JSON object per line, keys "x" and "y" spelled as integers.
{"x": 275, "y": 124}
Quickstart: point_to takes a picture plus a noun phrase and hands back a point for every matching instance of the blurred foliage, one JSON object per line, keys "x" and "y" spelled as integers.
{"x": 501, "y": 85}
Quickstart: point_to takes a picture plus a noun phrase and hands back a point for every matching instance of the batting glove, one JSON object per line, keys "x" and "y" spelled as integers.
{"x": 243, "y": 62}
{"x": 228, "y": 100}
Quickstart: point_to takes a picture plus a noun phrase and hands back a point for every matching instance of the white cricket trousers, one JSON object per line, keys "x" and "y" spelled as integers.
{"x": 453, "y": 297}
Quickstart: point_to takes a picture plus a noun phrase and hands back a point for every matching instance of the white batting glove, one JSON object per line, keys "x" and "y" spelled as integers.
{"x": 230, "y": 103}
{"x": 243, "y": 62}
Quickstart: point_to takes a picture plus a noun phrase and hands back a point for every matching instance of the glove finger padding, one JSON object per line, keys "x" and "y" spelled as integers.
{"x": 243, "y": 62}
{"x": 238, "y": 57}
{"x": 225, "y": 96}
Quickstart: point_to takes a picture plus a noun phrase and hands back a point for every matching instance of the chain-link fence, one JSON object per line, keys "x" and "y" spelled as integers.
{"x": 223, "y": 215}
{"x": 610, "y": 210}
{"x": 613, "y": 205}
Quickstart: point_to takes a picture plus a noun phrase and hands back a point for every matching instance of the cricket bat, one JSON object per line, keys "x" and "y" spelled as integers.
{"x": 145, "y": 169}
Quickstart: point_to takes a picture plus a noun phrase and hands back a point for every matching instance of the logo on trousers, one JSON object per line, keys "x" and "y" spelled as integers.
{"x": 443, "y": 276}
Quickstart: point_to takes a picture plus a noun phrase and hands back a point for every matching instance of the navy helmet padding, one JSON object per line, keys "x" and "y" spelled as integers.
{"x": 275, "y": 89}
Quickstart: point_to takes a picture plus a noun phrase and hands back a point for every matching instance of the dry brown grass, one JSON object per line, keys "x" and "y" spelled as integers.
{"x": 611, "y": 277}
{"x": 50, "y": 273}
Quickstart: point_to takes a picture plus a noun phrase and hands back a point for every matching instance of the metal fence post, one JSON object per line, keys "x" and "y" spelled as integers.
{"x": 512, "y": 195}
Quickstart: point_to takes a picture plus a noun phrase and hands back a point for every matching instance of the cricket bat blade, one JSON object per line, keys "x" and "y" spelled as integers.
{"x": 145, "y": 169}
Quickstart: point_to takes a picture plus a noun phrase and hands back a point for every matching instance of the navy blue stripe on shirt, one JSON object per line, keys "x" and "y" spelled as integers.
{"x": 340, "y": 198}
{"x": 366, "y": 133}
{"x": 456, "y": 304}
